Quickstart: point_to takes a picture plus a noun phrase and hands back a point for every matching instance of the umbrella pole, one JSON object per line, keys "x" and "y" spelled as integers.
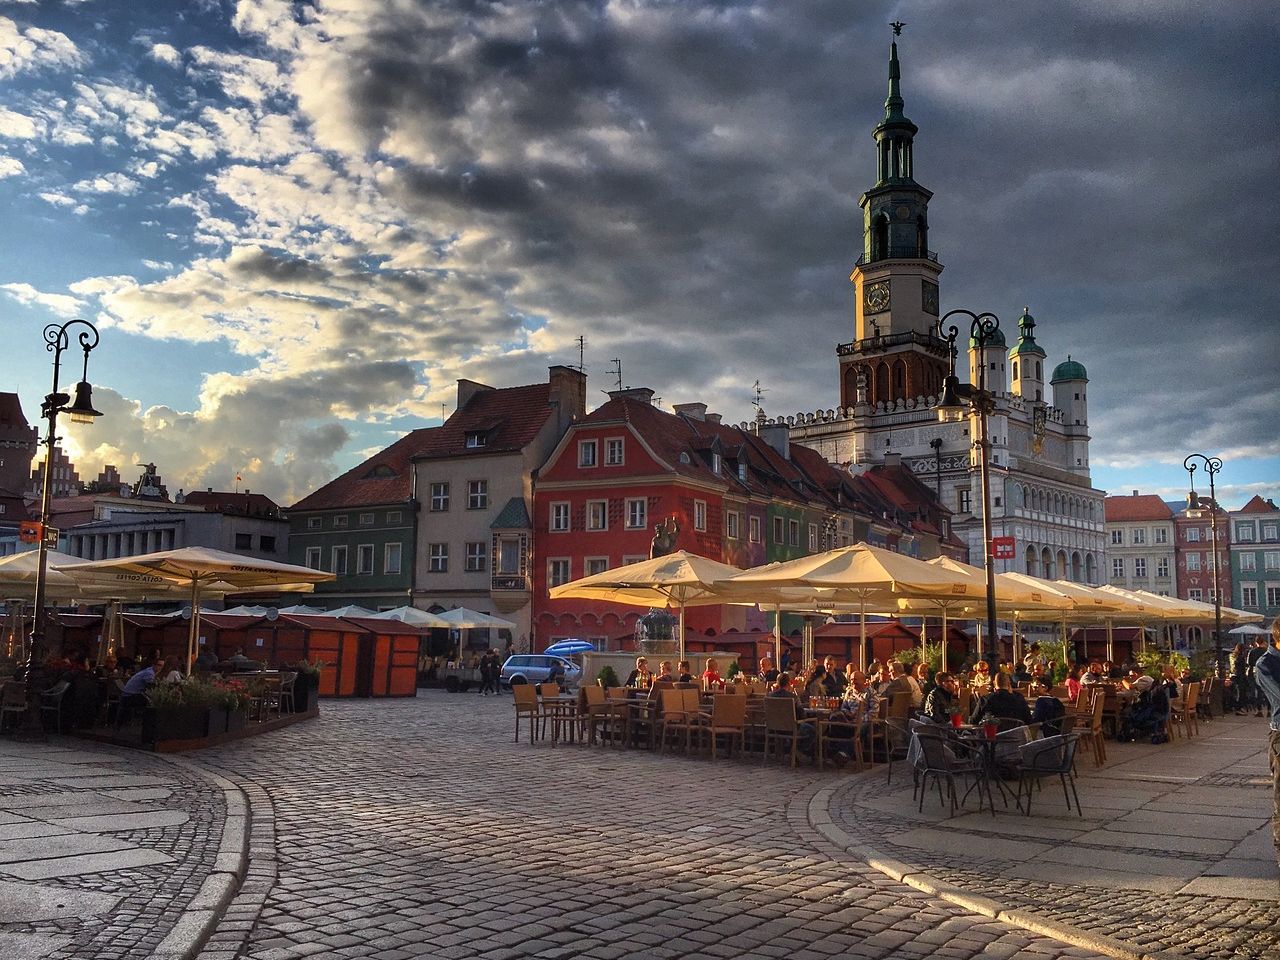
{"x": 944, "y": 637}
{"x": 680, "y": 639}
{"x": 195, "y": 623}
{"x": 862, "y": 646}
{"x": 1111, "y": 655}
{"x": 777, "y": 637}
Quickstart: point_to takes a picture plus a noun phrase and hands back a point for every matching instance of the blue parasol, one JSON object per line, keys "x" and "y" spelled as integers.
{"x": 564, "y": 648}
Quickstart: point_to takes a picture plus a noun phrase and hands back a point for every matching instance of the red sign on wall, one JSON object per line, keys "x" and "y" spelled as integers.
{"x": 1003, "y": 548}
{"x": 30, "y": 531}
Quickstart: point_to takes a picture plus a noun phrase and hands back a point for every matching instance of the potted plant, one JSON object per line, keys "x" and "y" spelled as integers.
{"x": 306, "y": 688}
{"x": 606, "y": 677}
{"x": 179, "y": 711}
{"x": 235, "y": 701}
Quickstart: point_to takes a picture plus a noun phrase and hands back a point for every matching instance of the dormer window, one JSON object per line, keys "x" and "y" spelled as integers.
{"x": 475, "y": 439}
{"x": 715, "y": 463}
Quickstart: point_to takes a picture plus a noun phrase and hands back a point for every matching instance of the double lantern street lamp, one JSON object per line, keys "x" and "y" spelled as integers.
{"x": 1195, "y": 509}
{"x": 79, "y": 408}
{"x": 983, "y": 328}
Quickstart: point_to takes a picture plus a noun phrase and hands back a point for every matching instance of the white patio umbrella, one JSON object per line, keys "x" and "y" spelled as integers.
{"x": 1249, "y": 630}
{"x": 412, "y": 615}
{"x": 350, "y": 610}
{"x": 462, "y": 618}
{"x": 197, "y": 569}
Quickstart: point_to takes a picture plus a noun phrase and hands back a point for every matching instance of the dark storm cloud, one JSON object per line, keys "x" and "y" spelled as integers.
{"x": 1109, "y": 164}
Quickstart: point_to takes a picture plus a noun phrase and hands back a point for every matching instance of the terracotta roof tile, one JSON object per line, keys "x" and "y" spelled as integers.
{"x": 1258, "y": 505}
{"x": 1143, "y": 506}
{"x": 242, "y": 504}
{"x": 386, "y": 477}
{"x": 510, "y": 417}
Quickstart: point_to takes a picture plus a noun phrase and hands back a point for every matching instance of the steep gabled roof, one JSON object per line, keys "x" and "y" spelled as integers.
{"x": 1142, "y": 506}
{"x": 241, "y": 504}
{"x": 508, "y": 417}
{"x": 1258, "y": 505}
{"x": 386, "y": 477}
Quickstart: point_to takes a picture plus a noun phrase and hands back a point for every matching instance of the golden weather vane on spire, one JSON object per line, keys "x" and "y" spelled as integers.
{"x": 897, "y": 27}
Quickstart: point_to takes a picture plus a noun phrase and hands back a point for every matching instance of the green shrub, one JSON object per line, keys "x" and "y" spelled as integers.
{"x": 607, "y": 678}
{"x": 1151, "y": 660}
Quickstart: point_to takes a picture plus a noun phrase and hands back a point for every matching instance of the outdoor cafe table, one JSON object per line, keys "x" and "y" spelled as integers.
{"x": 561, "y": 709}
{"x": 640, "y": 708}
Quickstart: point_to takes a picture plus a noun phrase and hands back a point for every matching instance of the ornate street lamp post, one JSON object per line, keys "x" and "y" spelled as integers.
{"x": 983, "y": 328}
{"x": 1196, "y": 509}
{"x": 80, "y": 410}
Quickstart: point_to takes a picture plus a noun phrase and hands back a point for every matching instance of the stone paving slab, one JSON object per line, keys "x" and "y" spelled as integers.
{"x": 25, "y": 902}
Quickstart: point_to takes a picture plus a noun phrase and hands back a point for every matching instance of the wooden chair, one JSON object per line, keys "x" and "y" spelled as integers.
{"x": 1205, "y": 701}
{"x": 728, "y": 718}
{"x": 13, "y": 701}
{"x": 596, "y": 715}
{"x": 681, "y": 718}
{"x": 780, "y": 724}
{"x": 1092, "y": 734}
{"x": 287, "y": 681}
{"x": 528, "y": 707}
{"x": 1182, "y": 712}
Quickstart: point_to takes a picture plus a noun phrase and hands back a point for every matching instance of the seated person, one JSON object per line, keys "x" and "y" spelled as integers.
{"x": 767, "y": 672}
{"x": 665, "y": 673}
{"x": 1073, "y": 684}
{"x": 1094, "y": 673}
{"x": 711, "y": 678}
{"x": 683, "y": 674}
{"x": 641, "y": 677}
{"x": 1111, "y": 672}
{"x": 1004, "y": 703}
{"x": 816, "y": 682}
{"x": 894, "y": 681}
{"x": 133, "y": 695}
{"x": 1048, "y": 710}
{"x": 805, "y": 731}
{"x": 981, "y": 678}
{"x": 1021, "y": 673}
{"x": 1147, "y": 715}
{"x": 944, "y": 699}
{"x": 834, "y": 681}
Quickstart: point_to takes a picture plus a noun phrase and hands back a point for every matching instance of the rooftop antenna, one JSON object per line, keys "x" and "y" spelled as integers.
{"x": 582, "y": 354}
{"x": 617, "y": 363}
{"x": 757, "y": 396}
{"x": 442, "y": 416}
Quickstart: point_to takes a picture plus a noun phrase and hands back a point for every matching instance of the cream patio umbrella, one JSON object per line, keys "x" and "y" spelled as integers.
{"x": 410, "y": 615}
{"x": 679, "y": 579}
{"x": 863, "y": 574}
{"x": 461, "y": 618}
{"x": 197, "y": 570}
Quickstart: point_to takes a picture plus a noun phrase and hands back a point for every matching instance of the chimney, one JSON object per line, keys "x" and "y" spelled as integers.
{"x": 694, "y": 411}
{"x": 468, "y": 389}
{"x": 713, "y": 418}
{"x": 568, "y": 392}
{"x": 778, "y": 436}
{"x": 1135, "y": 493}
{"x": 246, "y": 491}
{"x": 643, "y": 394}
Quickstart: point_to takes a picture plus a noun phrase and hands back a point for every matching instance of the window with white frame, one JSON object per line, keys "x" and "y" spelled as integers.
{"x": 437, "y": 558}
{"x": 559, "y": 516}
{"x": 339, "y": 557}
{"x": 633, "y": 558}
{"x": 753, "y": 529}
{"x": 1194, "y": 594}
{"x": 700, "y": 515}
{"x": 586, "y": 453}
{"x": 1139, "y": 566}
{"x": 793, "y": 533}
{"x": 1270, "y": 560}
{"x": 779, "y": 531}
{"x": 439, "y": 497}
{"x": 394, "y": 516}
{"x": 1248, "y": 595}
{"x": 1269, "y": 531}
{"x": 313, "y": 558}
{"x": 813, "y": 538}
{"x": 475, "y": 438}
{"x": 1160, "y": 535}
{"x": 1248, "y": 562}
{"x": 733, "y": 525}
{"x": 717, "y": 462}
{"x": 1244, "y": 532}
{"x": 594, "y": 565}
{"x": 1117, "y": 566}
{"x": 1193, "y": 563}
{"x": 1193, "y": 534}
{"x": 637, "y": 513}
{"x": 614, "y": 452}
{"x": 315, "y": 523}
{"x": 1162, "y": 568}
{"x": 364, "y": 560}
{"x": 477, "y": 556}
{"x": 366, "y": 520}
{"x": 597, "y": 514}
{"x": 557, "y": 571}
{"x": 391, "y": 557}
{"x": 1139, "y": 535}
{"x": 1273, "y": 596}
{"x": 477, "y": 494}
{"x": 340, "y": 520}
{"x": 1117, "y": 537}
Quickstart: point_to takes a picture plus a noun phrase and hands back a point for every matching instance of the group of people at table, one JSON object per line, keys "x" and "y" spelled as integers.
{"x": 854, "y": 697}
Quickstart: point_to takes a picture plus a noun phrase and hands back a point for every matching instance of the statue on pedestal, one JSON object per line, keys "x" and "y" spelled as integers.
{"x": 664, "y": 538}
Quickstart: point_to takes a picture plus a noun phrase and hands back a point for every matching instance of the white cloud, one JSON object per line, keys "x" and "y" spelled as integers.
{"x": 33, "y": 48}
{"x": 58, "y": 303}
{"x": 161, "y": 265}
{"x": 11, "y": 167}
{"x": 241, "y": 77}
{"x": 57, "y": 199}
{"x": 18, "y": 126}
{"x": 106, "y": 183}
{"x": 166, "y": 54}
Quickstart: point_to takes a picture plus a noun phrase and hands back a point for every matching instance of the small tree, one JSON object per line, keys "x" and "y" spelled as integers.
{"x": 606, "y": 677}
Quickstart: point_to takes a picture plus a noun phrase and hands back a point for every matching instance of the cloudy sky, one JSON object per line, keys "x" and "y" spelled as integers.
{"x": 298, "y": 223}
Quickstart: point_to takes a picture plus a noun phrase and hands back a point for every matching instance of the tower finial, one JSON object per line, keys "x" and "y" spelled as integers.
{"x": 893, "y": 104}
{"x": 897, "y": 27}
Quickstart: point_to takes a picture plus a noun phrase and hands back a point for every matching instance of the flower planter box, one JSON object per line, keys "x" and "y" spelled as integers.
{"x": 236, "y": 720}
{"x": 217, "y": 722}
{"x": 305, "y": 692}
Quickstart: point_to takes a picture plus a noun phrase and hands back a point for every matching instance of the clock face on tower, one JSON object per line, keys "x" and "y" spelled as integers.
{"x": 929, "y": 298}
{"x": 875, "y": 297}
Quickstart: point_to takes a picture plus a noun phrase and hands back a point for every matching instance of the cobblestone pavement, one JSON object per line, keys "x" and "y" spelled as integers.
{"x": 417, "y": 828}
{"x": 101, "y": 849}
{"x": 1173, "y": 852}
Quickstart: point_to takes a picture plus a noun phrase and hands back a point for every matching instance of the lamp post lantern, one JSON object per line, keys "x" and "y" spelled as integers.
{"x": 79, "y": 408}
{"x": 980, "y": 402}
{"x": 1195, "y": 509}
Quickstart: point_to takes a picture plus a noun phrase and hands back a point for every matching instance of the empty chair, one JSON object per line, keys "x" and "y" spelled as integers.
{"x": 527, "y": 707}
{"x": 51, "y": 703}
{"x": 1050, "y": 757}
{"x": 937, "y": 755}
{"x": 728, "y": 719}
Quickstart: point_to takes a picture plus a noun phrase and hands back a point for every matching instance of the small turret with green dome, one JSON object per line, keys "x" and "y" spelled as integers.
{"x": 1026, "y": 336}
{"x": 994, "y": 339}
{"x": 1069, "y": 370}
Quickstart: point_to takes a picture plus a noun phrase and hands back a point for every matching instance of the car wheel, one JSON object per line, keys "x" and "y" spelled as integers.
{"x": 517, "y": 681}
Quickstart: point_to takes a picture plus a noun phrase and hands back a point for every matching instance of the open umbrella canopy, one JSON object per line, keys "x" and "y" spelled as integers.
{"x": 301, "y": 609}
{"x": 460, "y": 618}
{"x": 412, "y": 615}
{"x": 678, "y": 579}
{"x": 18, "y": 576}
{"x": 566, "y": 648}
{"x": 1010, "y": 594}
{"x": 1249, "y": 630}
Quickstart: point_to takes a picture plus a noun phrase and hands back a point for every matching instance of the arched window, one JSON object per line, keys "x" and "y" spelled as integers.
{"x": 1015, "y": 369}
{"x": 882, "y": 383}
{"x": 1046, "y": 561}
{"x": 880, "y": 238}
{"x": 1039, "y": 375}
{"x": 1032, "y": 563}
{"x": 899, "y": 380}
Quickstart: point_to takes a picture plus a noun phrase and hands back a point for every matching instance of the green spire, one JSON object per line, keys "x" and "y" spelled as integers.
{"x": 893, "y": 104}
{"x": 1026, "y": 335}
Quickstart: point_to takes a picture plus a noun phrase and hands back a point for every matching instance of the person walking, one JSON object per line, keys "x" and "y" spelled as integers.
{"x": 1256, "y": 700}
{"x": 1268, "y": 677}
